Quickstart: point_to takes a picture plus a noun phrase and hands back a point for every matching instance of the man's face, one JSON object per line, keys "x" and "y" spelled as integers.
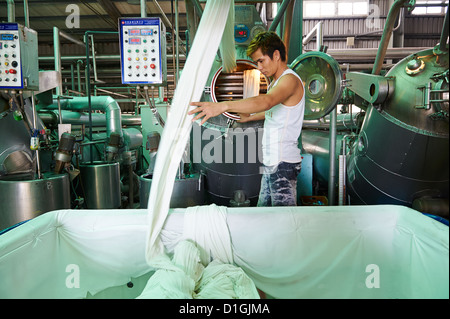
{"x": 265, "y": 64}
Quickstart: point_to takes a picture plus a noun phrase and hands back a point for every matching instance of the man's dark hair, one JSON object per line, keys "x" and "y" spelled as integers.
{"x": 268, "y": 42}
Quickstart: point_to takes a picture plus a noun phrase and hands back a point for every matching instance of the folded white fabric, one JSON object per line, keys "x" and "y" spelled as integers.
{"x": 202, "y": 263}
{"x": 176, "y": 278}
{"x": 207, "y": 227}
{"x": 225, "y": 281}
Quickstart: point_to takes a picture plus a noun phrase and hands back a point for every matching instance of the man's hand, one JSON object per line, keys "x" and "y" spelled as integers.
{"x": 244, "y": 118}
{"x": 207, "y": 110}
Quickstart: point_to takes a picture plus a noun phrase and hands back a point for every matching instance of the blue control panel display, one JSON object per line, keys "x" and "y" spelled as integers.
{"x": 10, "y": 61}
{"x": 142, "y": 50}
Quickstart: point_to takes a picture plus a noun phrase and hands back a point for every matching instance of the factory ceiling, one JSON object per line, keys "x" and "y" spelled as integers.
{"x": 94, "y": 15}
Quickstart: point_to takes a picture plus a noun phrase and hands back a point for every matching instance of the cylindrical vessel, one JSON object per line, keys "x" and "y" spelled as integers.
{"x": 392, "y": 164}
{"x": 402, "y": 150}
{"x": 186, "y": 192}
{"x": 23, "y": 198}
{"x": 101, "y": 184}
{"x": 228, "y": 152}
{"x": 231, "y": 161}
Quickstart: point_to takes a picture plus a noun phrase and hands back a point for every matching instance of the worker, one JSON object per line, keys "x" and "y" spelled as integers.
{"x": 282, "y": 110}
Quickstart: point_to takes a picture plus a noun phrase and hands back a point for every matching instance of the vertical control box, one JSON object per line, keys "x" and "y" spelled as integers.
{"x": 19, "y": 64}
{"x": 143, "y": 51}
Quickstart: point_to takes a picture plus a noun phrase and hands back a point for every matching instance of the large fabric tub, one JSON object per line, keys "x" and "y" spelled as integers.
{"x": 289, "y": 252}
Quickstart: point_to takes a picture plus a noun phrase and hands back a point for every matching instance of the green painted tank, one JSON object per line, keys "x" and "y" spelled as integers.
{"x": 402, "y": 153}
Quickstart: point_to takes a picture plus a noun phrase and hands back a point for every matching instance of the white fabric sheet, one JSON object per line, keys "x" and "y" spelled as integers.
{"x": 227, "y": 46}
{"x": 288, "y": 252}
{"x": 252, "y": 79}
{"x": 176, "y": 132}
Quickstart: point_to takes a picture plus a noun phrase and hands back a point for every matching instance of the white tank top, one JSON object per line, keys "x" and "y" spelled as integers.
{"x": 282, "y": 127}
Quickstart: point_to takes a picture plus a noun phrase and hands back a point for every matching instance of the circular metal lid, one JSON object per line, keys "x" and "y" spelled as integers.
{"x": 322, "y": 78}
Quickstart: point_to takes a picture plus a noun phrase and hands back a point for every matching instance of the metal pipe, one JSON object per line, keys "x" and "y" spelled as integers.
{"x": 197, "y": 6}
{"x": 11, "y": 10}
{"x": 333, "y": 123}
{"x": 371, "y": 53}
{"x": 177, "y": 46}
{"x": 143, "y": 9}
{"x": 342, "y": 177}
{"x": 50, "y": 117}
{"x": 94, "y": 62}
{"x": 38, "y": 160}
{"x": 288, "y": 26}
{"x": 98, "y": 103}
{"x": 387, "y": 32}
{"x": 444, "y": 34}
{"x": 71, "y": 39}
{"x": 332, "y": 173}
{"x": 164, "y": 17}
{"x": 317, "y": 30}
{"x": 342, "y": 171}
{"x": 59, "y": 108}
{"x": 79, "y": 75}
{"x": 57, "y": 58}
{"x": 102, "y": 57}
{"x": 347, "y": 121}
{"x": 319, "y": 37}
{"x": 88, "y": 84}
{"x": 279, "y": 15}
{"x": 72, "y": 76}
{"x": 26, "y": 14}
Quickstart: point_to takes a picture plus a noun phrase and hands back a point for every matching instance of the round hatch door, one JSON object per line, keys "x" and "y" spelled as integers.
{"x": 322, "y": 78}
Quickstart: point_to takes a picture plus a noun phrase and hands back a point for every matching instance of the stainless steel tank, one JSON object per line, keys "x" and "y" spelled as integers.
{"x": 101, "y": 184}
{"x": 402, "y": 153}
{"x": 23, "y": 198}
{"x": 187, "y": 192}
{"x": 15, "y": 153}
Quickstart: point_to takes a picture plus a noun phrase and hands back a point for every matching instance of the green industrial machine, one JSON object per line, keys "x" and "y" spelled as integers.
{"x": 401, "y": 155}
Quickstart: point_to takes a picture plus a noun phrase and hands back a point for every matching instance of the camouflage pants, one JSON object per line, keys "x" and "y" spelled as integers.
{"x": 279, "y": 185}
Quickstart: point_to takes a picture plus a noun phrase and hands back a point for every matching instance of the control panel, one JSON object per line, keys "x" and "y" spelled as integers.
{"x": 143, "y": 51}
{"x": 18, "y": 57}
